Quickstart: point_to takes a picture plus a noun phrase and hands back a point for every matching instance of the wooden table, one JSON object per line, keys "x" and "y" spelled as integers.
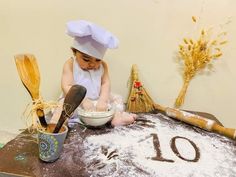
{"x": 19, "y": 157}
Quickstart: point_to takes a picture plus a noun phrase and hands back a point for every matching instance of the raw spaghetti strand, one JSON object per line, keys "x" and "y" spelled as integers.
{"x": 30, "y": 116}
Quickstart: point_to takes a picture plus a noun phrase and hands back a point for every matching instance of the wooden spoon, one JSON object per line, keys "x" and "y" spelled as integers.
{"x": 72, "y": 100}
{"x": 29, "y": 73}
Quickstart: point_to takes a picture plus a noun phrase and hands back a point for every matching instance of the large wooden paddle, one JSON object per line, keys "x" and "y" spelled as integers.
{"x": 72, "y": 100}
{"x": 29, "y": 73}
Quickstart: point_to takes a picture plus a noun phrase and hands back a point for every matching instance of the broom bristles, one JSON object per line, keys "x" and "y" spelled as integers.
{"x": 139, "y": 100}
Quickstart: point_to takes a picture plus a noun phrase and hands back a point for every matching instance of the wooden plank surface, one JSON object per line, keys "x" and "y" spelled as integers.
{"x": 20, "y": 156}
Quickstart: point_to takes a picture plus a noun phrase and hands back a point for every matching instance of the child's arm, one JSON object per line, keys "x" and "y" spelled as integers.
{"x": 67, "y": 79}
{"x": 105, "y": 90}
{"x": 66, "y": 83}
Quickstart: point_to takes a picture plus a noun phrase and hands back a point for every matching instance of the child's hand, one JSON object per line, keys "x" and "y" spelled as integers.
{"x": 101, "y": 105}
{"x": 88, "y": 105}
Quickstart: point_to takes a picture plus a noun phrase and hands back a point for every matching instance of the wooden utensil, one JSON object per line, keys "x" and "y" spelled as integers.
{"x": 29, "y": 73}
{"x": 199, "y": 121}
{"x": 72, "y": 100}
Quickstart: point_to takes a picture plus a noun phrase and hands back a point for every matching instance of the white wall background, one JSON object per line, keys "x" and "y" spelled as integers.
{"x": 149, "y": 32}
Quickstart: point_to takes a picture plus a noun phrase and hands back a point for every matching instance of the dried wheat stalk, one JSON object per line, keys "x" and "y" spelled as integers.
{"x": 196, "y": 55}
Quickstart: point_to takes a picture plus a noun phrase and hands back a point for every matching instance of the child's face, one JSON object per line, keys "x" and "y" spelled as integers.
{"x": 87, "y": 62}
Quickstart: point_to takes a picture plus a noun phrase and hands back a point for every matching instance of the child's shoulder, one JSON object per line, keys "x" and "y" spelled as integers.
{"x": 68, "y": 63}
{"x": 104, "y": 64}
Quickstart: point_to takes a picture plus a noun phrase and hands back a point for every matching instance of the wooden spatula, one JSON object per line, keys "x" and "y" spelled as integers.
{"x": 72, "y": 100}
{"x": 29, "y": 73}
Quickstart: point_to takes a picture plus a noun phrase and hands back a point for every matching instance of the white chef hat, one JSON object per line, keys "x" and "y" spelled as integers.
{"x": 90, "y": 38}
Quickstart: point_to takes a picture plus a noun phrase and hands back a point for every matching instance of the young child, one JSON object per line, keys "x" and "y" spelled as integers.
{"x": 88, "y": 69}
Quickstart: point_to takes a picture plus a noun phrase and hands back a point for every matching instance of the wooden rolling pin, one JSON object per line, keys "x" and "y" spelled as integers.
{"x": 198, "y": 121}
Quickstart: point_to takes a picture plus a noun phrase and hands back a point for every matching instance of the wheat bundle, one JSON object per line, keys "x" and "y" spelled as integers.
{"x": 138, "y": 99}
{"x": 197, "y": 55}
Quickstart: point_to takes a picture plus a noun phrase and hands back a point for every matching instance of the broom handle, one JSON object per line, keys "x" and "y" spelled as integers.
{"x": 134, "y": 73}
{"x": 199, "y": 121}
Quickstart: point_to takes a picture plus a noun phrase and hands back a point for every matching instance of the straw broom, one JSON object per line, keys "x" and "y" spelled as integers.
{"x": 138, "y": 99}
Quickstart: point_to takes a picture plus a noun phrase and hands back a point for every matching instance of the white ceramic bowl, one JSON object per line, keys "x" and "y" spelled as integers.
{"x": 94, "y": 118}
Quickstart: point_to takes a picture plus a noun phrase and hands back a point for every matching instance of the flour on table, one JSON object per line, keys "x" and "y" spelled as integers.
{"x": 130, "y": 151}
